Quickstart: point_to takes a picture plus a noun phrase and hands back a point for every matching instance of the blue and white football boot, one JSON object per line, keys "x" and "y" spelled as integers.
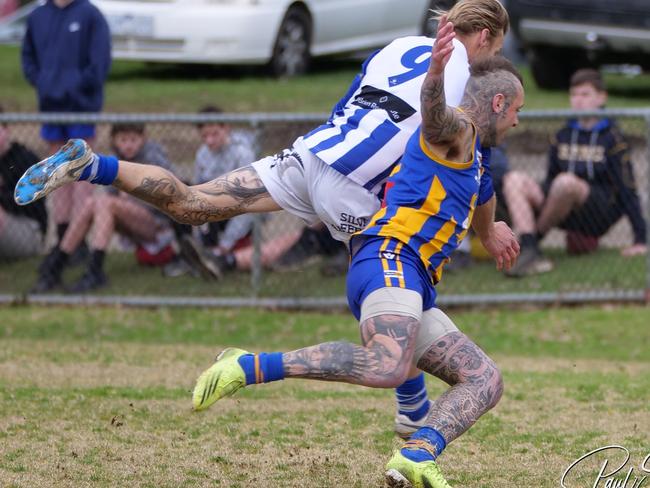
{"x": 63, "y": 167}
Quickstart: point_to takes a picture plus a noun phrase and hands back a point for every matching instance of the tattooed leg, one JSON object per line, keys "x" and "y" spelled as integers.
{"x": 382, "y": 362}
{"x": 240, "y": 191}
{"x": 476, "y": 383}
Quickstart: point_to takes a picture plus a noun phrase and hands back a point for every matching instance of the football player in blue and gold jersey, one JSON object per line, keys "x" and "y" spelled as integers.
{"x": 441, "y": 187}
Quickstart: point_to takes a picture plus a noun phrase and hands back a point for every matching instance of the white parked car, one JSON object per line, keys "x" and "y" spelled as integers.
{"x": 283, "y": 33}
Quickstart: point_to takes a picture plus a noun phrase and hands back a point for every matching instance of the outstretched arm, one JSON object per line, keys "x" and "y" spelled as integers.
{"x": 240, "y": 191}
{"x": 497, "y": 238}
{"x": 440, "y": 124}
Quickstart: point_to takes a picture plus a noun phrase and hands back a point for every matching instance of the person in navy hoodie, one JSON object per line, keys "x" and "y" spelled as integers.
{"x": 589, "y": 185}
{"x": 66, "y": 56}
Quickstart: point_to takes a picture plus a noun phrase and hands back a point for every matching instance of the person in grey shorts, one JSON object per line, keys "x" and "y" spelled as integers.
{"x": 22, "y": 229}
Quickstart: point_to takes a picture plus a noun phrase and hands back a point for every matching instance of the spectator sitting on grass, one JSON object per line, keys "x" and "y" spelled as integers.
{"x": 22, "y": 229}
{"x": 110, "y": 212}
{"x": 589, "y": 184}
{"x": 223, "y": 149}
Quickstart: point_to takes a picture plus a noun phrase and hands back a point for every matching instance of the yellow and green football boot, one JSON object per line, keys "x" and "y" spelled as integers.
{"x": 222, "y": 379}
{"x": 401, "y": 472}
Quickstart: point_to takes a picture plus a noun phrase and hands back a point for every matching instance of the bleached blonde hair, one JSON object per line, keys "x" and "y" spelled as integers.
{"x": 469, "y": 16}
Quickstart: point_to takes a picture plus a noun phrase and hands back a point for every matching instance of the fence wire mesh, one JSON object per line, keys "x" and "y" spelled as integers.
{"x": 275, "y": 260}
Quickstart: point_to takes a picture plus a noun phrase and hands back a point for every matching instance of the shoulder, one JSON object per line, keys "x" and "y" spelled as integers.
{"x": 154, "y": 152}
{"x": 242, "y": 137}
{"x": 91, "y": 11}
{"x": 42, "y": 10}
{"x": 415, "y": 45}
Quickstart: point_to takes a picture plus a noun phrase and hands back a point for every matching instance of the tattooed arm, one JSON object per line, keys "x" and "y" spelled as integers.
{"x": 444, "y": 128}
{"x": 383, "y": 362}
{"x": 237, "y": 192}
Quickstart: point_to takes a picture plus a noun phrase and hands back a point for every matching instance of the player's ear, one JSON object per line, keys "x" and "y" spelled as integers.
{"x": 484, "y": 39}
{"x": 498, "y": 102}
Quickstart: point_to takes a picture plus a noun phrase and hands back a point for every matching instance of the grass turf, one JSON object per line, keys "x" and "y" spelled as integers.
{"x": 603, "y": 270}
{"x": 137, "y": 86}
{"x": 100, "y": 397}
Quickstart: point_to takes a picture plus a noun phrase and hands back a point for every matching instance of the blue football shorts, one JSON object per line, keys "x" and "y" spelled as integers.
{"x": 63, "y": 132}
{"x": 383, "y": 262}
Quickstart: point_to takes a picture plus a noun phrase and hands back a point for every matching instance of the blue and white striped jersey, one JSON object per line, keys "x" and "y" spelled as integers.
{"x": 369, "y": 127}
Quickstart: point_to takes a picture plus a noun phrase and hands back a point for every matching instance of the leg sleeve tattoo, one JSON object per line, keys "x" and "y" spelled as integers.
{"x": 225, "y": 197}
{"x": 382, "y": 362}
{"x": 476, "y": 383}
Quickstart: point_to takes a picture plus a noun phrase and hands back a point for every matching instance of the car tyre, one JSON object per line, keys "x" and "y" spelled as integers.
{"x": 291, "y": 52}
{"x": 552, "y": 67}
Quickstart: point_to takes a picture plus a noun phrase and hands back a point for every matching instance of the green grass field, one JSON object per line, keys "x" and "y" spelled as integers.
{"x": 135, "y": 86}
{"x": 603, "y": 270}
{"x": 100, "y": 397}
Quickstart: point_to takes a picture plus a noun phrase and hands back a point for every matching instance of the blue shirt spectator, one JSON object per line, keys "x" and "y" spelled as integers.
{"x": 66, "y": 55}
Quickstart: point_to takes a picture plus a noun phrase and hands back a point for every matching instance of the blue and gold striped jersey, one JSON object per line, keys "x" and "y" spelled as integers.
{"x": 429, "y": 202}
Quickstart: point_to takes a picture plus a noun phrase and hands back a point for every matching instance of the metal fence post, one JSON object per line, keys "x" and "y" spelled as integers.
{"x": 256, "y": 264}
{"x": 647, "y": 213}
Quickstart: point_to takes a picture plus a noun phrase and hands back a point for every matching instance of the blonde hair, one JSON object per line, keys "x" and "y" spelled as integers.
{"x": 469, "y": 16}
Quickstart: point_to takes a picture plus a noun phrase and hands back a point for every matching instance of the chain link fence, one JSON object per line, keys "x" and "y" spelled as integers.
{"x": 279, "y": 263}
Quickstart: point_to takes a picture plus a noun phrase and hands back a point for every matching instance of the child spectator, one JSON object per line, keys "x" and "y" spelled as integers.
{"x": 589, "y": 184}
{"x": 222, "y": 150}
{"x": 22, "y": 229}
{"x": 110, "y": 212}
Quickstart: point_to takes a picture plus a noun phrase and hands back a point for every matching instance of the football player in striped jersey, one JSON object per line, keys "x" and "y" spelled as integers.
{"x": 441, "y": 187}
{"x": 332, "y": 174}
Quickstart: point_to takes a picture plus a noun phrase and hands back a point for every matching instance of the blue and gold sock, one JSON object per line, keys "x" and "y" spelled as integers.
{"x": 263, "y": 367}
{"x": 412, "y": 398}
{"x": 425, "y": 445}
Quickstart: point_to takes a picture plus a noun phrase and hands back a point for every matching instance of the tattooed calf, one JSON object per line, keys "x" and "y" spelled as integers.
{"x": 476, "y": 382}
{"x": 383, "y": 362}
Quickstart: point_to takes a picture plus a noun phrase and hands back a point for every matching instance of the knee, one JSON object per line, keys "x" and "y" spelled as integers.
{"x": 564, "y": 184}
{"x": 400, "y": 374}
{"x": 102, "y": 204}
{"x": 515, "y": 183}
{"x": 515, "y": 180}
{"x": 494, "y": 386}
{"x": 396, "y": 374}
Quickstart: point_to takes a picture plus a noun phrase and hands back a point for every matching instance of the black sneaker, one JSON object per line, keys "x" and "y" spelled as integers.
{"x": 91, "y": 280}
{"x": 46, "y": 282}
{"x": 530, "y": 262}
{"x": 80, "y": 255}
{"x": 178, "y": 267}
{"x": 199, "y": 258}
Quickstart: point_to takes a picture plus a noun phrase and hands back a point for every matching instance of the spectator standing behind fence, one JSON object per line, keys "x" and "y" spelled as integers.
{"x": 22, "y": 229}
{"x": 66, "y": 56}
{"x": 589, "y": 184}
{"x": 110, "y": 212}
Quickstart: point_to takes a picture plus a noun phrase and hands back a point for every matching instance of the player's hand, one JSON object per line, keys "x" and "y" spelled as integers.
{"x": 502, "y": 245}
{"x": 634, "y": 250}
{"x": 443, "y": 46}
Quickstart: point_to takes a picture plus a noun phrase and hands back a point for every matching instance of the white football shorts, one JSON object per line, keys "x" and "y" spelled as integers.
{"x": 306, "y": 187}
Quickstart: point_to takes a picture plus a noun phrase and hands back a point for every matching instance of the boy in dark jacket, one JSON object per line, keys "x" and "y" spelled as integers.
{"x": 22, "y": 229}
{"x": 589, "y": 184}
{"x": 66, "y": 56}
